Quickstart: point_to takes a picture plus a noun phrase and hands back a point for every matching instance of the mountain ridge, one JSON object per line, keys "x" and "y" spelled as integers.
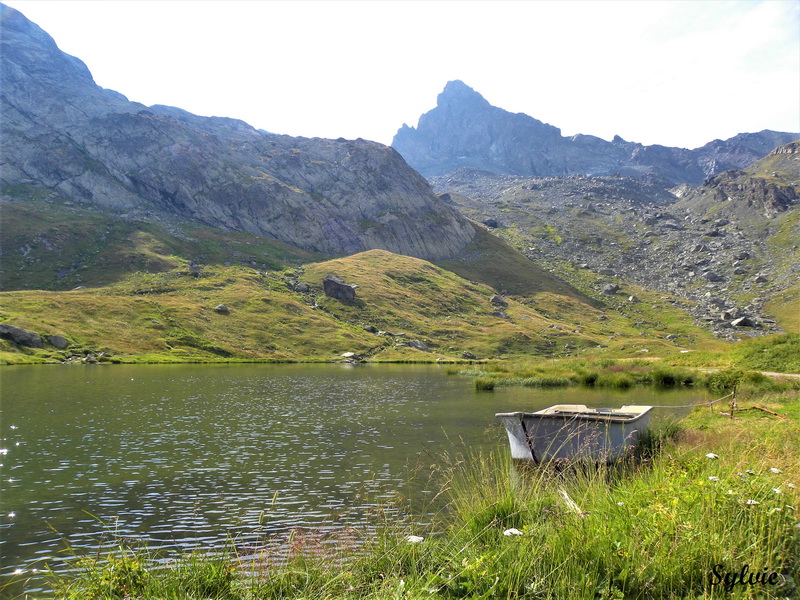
{"x": 63, "y": 133}
{"x": 465, "y": 130}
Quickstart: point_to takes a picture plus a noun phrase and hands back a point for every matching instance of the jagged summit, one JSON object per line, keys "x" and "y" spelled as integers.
{"x": 464, "y": 130}
{"x": 457, "y": 91}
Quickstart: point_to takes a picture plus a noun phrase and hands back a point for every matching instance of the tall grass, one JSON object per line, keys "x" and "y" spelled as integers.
{"x": 709, "y": 497}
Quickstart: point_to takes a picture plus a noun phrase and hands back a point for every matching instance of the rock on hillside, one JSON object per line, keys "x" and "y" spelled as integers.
{"x": 63, "y": 133}
{"x": 464, "y": 130}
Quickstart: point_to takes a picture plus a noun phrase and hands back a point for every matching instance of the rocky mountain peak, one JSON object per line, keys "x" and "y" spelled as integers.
{"x": 464, "y": 130}
{"x": 458, "y": 93}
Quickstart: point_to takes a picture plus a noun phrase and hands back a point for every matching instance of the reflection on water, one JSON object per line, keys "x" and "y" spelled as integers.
{"x": 190, "y": 456}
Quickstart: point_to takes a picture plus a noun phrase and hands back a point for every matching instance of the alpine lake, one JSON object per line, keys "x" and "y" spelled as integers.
{"x": 183, "y": 457}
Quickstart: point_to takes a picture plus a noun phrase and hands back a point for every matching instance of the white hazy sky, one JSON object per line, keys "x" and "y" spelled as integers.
{"x": 672, "y": 73}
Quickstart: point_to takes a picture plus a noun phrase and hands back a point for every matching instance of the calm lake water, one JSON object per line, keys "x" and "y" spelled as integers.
{"x": 187, "y": 456}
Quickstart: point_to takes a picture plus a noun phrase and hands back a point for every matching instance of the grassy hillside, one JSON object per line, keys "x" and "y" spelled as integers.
{"x": 57, "y": 246}
{"x": 491, "y": 260}
{"x": 172, "y": 316}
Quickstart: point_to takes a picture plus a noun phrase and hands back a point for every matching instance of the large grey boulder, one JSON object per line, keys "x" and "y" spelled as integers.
{"x": 743, "y": 322}
{"x": 335, "y": 287}
{"x": 498, "y": 300}
{"x": 58, "y": 341}
{"x": 419, "y": 345}
{"x": 20, "y": 336}
{"x": 610, "y": 289}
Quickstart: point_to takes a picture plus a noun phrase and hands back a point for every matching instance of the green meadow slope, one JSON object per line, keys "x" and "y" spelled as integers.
{"x": 129, "y": 291}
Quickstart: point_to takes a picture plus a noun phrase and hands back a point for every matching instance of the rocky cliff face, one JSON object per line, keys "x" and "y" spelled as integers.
{"x": 63, "y": 133}
{"x": 464, "y": 130}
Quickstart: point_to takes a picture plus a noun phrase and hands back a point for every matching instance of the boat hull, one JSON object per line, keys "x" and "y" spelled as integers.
{"x": 570, "y": 431}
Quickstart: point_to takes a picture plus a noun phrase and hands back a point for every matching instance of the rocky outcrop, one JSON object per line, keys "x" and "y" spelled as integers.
{"x": 62, "y": 132}
{"x": 759, "y": 194}
{"x": 464, "y": 130}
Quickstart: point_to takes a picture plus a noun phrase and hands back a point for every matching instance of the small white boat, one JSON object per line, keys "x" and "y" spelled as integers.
{"x": 568, "y": 431}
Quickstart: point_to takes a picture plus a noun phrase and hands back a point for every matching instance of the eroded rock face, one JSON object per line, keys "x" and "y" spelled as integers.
{"x": 63, "y": 132}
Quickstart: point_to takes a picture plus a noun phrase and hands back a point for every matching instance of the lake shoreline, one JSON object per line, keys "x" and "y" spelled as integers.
{"x": 640, "y": 529}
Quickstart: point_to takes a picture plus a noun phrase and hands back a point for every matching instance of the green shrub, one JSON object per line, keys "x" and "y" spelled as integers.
{"x": 724, "y": 381}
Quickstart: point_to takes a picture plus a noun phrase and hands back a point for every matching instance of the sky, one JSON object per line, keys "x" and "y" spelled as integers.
{"x": 678, "y": 73}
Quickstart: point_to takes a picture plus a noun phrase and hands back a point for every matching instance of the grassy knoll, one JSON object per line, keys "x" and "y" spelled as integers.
{"x": 171, "y": 316}
{"x": 719, "y": 494}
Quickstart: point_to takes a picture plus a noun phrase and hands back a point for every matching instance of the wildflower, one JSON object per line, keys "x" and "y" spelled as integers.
{"x": 777, "y": 491}
{"x": 3, "y": 451}
{"x": 775, "y": 470}
{"x": 752, "y": 502}
{"x": 512, "y": 531}
{"x": 414, "y": 539}
{"x": 713, "y": 478}
{"x": 791, "y": 485}
{"x": 730, "y": 492}
{"x": 12, "y": 514}
{"x": 711, "y": 455}
{"x": 620, "y": 504}
{"x": 750, "y": 472}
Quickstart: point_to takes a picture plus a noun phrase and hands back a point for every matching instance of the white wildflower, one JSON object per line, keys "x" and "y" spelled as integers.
{"x": 777, "y": 491}
{"x": 12, "y": 514}
{"x": 512, "y": 531}
{"x": 713, "y": 478}
{"x": 775, "y": 470}
{"x": 791, "y": 485}
{"x": 3, "y": 451}
{"x": 414, "y": 539}
{"x": 620, "y": 504}
{"x": 712, "y": 455}
{"x": 730, "y": 492}
{"x": 750, "y": 472}
{"x": 752, "y": 502}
